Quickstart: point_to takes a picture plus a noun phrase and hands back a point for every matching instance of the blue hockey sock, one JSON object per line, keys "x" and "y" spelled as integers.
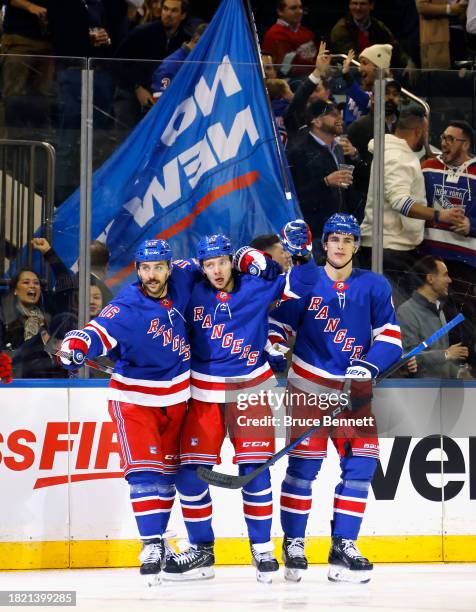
{"x": 152, "y": 497}
{"x": 296, "y": 495}
{"x": 350, "y": 497}
{"x": 196, "y": 504}
{"x": 257, "y": 504}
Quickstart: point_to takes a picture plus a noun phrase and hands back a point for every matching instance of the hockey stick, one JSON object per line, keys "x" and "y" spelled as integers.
{"x": 228, "y": 481}
{"x": 90, "y": 363}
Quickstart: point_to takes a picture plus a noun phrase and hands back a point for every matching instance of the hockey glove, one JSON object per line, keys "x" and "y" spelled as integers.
{"x": 275, "y": 354}
{"x": 254, "y": 262}
{"x": 5, "y": 368}
{"x": 297, "y": 238}
{"x": 74, "y": 349}
{"x": 361, "y": 370}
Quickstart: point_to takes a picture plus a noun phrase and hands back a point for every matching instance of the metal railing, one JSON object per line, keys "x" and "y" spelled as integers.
{"x": 27, "y": 179}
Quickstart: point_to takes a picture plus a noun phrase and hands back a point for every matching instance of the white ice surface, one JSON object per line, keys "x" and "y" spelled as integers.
{"x": 393, "y": 587}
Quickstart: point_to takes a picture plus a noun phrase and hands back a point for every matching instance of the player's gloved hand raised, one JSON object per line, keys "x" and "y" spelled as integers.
{"x": 257, "y": 263}
{"x": 276, "y": 356}
{"x": 297, "y": 238}
{"x": 361, "y": 370}
{"x": 74, "y": 349}
{"x": 5, "y": 368}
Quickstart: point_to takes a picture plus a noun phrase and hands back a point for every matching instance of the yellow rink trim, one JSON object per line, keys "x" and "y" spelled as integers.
{"x": 232, "y": 551}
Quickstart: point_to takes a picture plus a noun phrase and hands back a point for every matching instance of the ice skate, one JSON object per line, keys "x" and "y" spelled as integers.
{"x": 294, "y": 558}
{"x": 196, "y": 563}
{"x": 346, "y": 564}
{"x": 264, "y": 561}
{"x": 151, "y": 557}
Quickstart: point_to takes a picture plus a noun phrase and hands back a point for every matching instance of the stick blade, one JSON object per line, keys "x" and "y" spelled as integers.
{"x": 226, "y": 481}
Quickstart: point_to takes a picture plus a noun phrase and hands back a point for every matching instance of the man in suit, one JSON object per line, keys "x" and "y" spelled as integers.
{"x": 322, "y": 188}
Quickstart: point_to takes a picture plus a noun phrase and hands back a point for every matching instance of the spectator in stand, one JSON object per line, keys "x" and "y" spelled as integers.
{"x": 99, "y": 268}
{"x": 290, "y": 110}
{"x": 471, "y": 17}
{"x": 359, "y": 30}
{"x": 26, "y": 80}
{"x": 290, "y": 43}
{"x": 167, "y": 70}
{"x": 64, "y": 313}
{"x": 87, "y": 28}
{"x": 322, "y": 188}
{"x": 271, "y": 244}
{"x": 358, "y": 100}
{"x": 151, "y": 11}
{"x": 5, "y": 368}
{"x": 322, "y": 91}
{"x": 405, "y": 206}
{"x": 280, "y": 96}
{"x": 313, "y": 88}
{"x": 24, "y": 323}
{"x": 83, "y": 28}
{"x": 361, "y": 132}
{"x": 67, "y": 285}
{"x": 152, "y": 41}
{"x": 134, "y": 12}
{"x": 422, "y": 315}
{"x": 268, "y": 65}
{"x": 442, "y": 40}
{"x": 450, "y": 182}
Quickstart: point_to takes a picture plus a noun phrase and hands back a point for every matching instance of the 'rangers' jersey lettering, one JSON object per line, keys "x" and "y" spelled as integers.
{"x": 229, "y": 331}
{"x": 148, "y": 340}
{"x": 331, "y": 331}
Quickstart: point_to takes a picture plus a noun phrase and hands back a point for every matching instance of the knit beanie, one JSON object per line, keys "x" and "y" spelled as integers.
{"x": 380, "y": 55}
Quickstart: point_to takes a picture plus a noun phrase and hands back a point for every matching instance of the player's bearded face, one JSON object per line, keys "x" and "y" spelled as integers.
{"x": 340, "y": 249}
{"x": 219, "y": 272}
{"x": 154, "y": 276}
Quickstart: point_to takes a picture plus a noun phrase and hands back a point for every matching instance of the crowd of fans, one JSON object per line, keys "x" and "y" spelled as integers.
{"x": 324, "y": 114}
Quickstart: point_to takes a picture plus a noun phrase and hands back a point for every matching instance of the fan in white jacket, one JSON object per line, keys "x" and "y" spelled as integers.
{"x": 404, "y": 202}
{"x": 471, "y": 17}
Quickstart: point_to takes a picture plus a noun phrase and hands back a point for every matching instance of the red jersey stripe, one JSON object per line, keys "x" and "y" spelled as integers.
{"x": 104, "y": 339}
{"x": 328, "y": 382}
{"x": 223, "y": 386}
{"x": 180, "y": 386}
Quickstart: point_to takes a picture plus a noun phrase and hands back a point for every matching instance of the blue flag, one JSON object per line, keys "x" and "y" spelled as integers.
{"x": 203, "y": 160}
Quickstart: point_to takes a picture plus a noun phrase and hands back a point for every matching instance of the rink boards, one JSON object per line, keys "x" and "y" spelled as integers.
{"x": 65, "y": 504}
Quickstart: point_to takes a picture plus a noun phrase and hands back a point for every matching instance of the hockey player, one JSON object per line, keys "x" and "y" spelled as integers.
{"x": 345, "y": 328}
{"x": 228, "y": 317}
{"x": 143, "y": 329}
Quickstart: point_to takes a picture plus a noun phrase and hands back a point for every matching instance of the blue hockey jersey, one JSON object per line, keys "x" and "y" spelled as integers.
{"x": 148, "y": 339}
{"x": 446, "y": 187}
{"x": 338, "y": 321}
{"x": 167, "y": 70}
{"x": 229, "y": 332}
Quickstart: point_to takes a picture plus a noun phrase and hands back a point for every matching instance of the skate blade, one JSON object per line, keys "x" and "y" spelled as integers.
{"x": 264, "y": 577}
{"x": 339, "y": 573}
{"x": 292, "y": 575}
{"x": 151, "y": 580}
{"x": 201, "y": 573}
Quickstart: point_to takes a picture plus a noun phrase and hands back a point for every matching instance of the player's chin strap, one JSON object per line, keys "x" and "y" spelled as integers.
{"x": 339, "y": 267}
{"x": 343, "y": 265}
{"x": 229, "y": 481}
